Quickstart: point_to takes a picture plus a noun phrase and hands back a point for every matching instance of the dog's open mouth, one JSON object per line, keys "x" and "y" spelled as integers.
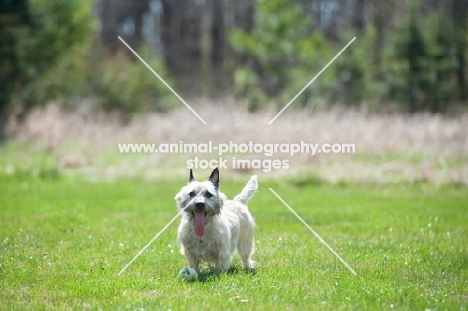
{"x": 199, "y": 217}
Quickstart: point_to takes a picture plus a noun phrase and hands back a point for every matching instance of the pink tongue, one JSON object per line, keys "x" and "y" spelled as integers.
{"x": 199, "y": 224}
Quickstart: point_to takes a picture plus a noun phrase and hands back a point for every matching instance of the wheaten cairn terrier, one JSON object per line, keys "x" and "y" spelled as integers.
{"x": 213, "y": 227}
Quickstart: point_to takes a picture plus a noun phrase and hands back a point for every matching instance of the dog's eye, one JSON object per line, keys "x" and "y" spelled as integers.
{"x": 208, "y": 195}
{"x": 192, "y": 194}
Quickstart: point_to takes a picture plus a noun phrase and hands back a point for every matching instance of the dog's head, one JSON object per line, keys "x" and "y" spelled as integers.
{"x": 201, "y": 200}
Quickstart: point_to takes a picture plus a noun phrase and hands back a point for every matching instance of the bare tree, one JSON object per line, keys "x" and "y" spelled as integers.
{"x": 122, "y": 18}
{"x": 217, "y": 34}
{"x": 460, "y": 11}
{"x": 358, "y": 15}
{"x": 181, "y": 32}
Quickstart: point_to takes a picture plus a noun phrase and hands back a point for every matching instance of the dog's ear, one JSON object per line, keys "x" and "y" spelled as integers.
{"x": 191, "y": 177}
{"x": 214, "y": 177}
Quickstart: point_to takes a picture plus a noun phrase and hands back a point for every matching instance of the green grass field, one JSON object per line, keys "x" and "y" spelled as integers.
{"x": 63, "y": 242}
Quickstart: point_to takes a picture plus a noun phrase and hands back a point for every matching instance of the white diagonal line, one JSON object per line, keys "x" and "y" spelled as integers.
{"x": 311, "y": 81}
{"x": 314, "y": 233}
{"x": 164, "y": 82}
{"x": 149, "y": 243}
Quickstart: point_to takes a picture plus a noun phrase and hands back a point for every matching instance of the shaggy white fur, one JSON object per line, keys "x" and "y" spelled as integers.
{"x": 213, "y": 227}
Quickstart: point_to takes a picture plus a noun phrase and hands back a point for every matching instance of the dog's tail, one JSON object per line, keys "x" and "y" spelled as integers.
{"x": 248, "y": 191}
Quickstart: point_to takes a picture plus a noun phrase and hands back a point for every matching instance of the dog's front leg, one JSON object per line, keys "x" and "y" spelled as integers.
{"x": 223, "y": 263}
{"x": 192, "y": 260}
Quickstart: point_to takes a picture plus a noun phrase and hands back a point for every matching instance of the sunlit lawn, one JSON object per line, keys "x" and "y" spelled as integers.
{"x": 64, "y": 241}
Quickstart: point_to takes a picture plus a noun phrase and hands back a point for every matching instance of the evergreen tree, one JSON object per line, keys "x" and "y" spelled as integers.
{"x": 14, "y": 16}
{"x": 35, "y": 35}
{"x": 281, "y": 53}
{"x": 411, "y": 50}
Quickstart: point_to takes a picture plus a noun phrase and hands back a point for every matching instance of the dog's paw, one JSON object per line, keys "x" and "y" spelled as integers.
{"x": 250, "y": 265}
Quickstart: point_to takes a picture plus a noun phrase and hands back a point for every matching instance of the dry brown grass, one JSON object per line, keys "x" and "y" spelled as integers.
{"x": 390, "y": 148}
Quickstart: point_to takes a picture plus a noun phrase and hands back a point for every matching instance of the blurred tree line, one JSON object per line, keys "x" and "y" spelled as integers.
{"x": 409, "y": 55}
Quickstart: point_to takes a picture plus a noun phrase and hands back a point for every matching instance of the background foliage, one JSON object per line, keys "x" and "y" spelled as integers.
{"x": 35, "y": 36}
{"x": 408, "y": 56}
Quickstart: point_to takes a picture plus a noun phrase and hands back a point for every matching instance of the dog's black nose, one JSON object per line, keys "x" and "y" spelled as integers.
{"x": 200, "y": 205}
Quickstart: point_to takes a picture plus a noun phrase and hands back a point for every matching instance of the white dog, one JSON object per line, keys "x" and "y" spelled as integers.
{"x": 213, "y": 227}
